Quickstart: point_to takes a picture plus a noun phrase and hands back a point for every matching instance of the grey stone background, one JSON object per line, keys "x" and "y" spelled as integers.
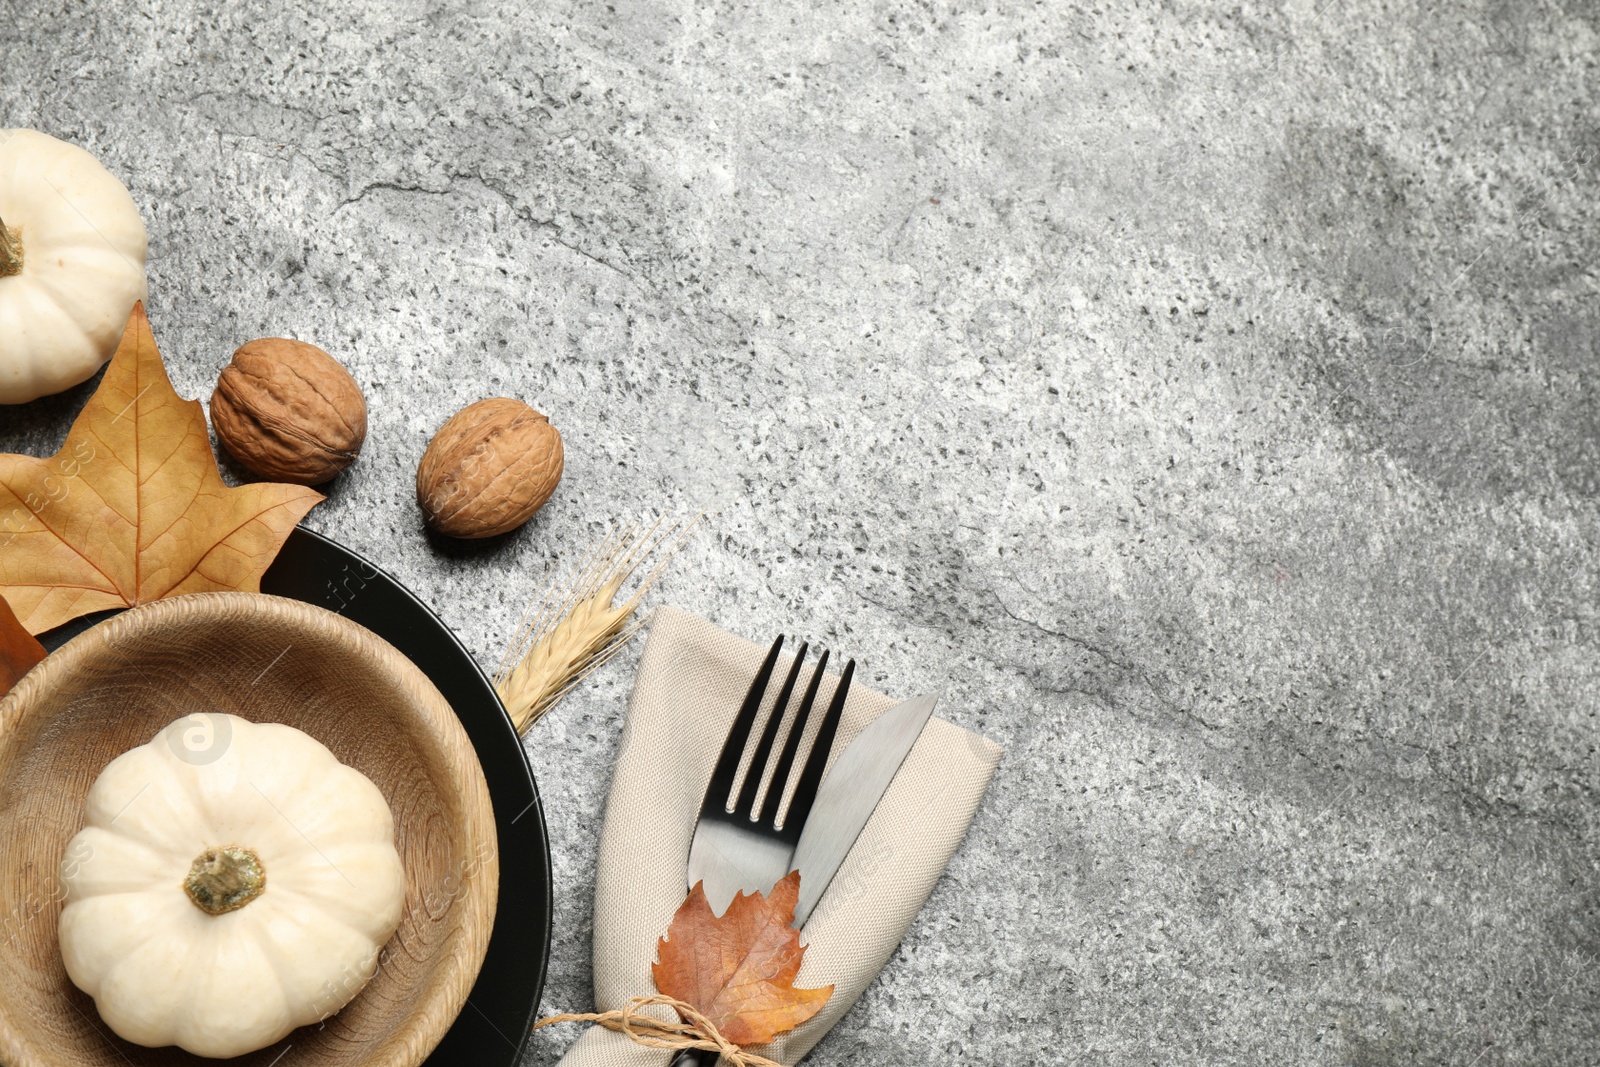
{"x": 1198, "y": 394}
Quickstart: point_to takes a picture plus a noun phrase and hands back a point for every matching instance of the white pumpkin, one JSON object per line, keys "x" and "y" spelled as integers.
{"x": 233, "y": 881}
{"x": 72, "y": 250}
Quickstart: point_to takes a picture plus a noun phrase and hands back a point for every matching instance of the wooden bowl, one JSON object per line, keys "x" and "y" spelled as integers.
{"x": 265, "y": 659}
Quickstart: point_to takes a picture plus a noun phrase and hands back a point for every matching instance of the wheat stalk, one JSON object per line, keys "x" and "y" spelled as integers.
{"x": 576, "y": 625}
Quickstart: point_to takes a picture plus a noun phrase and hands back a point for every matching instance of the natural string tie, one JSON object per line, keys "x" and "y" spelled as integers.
{"x": 693, "y": 1031}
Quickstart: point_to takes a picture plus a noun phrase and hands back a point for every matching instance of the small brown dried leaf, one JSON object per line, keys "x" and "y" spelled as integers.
{"x": 739, "y": 970}
{"x": 19, "y": 652}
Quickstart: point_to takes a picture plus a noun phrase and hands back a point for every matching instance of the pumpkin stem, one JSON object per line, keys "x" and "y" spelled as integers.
{"x": 10, "y": 251}
{"x": 225, "y": 879}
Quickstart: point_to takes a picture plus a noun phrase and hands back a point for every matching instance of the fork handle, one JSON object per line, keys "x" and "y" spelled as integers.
{"x": 696, "y": 1057}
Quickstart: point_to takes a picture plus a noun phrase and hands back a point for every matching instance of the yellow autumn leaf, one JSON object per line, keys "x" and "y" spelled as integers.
{"x": 132, "y": 509}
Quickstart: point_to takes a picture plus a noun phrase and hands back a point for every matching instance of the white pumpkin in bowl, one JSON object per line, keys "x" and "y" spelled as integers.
{"x": 72, "y": 252}
{"x": 233, "y": 881}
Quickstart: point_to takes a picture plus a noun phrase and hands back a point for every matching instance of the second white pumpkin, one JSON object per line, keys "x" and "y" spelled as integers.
{"x": 182, "y": 941}
{"x": 71, "y": 264}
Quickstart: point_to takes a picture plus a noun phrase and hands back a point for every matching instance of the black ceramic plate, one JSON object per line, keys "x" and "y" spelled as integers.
{"x": 495, "y": 1024}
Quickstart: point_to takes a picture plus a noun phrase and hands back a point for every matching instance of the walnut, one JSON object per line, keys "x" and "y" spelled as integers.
{"x": 488, "y": 469}
{"x": 288, "y": 411}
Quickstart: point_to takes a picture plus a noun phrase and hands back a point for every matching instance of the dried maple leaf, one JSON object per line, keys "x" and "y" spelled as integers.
{"x": 739, "y": 970}
{"x": 18, "y": 650}
{"x": 132, "y": 508}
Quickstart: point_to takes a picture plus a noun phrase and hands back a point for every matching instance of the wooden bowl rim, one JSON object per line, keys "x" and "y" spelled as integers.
{"x": 442, "y": 726}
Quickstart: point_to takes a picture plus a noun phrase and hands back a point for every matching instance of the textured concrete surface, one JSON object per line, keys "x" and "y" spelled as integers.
{"x": 1199, "y": 394}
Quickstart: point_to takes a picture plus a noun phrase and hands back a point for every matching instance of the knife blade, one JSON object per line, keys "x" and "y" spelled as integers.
{"x": 850, "y": 794}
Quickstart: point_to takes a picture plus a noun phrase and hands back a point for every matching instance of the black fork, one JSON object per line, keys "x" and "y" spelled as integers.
{"x": 805, "y": 793}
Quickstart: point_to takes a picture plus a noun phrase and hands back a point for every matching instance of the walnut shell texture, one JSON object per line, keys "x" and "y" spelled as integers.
{"x": 488, "y": 469}
{"x": 288, "y": 411}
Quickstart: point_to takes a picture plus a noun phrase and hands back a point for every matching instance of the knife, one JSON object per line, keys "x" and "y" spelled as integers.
{"x": 850, "y": 794}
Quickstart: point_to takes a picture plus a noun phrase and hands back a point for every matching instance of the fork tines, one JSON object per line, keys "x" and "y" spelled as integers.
{"x": 765, "y": 815}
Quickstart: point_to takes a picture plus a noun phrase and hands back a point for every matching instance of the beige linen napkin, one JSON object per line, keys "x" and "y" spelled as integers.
{"x": 692, "y": 679}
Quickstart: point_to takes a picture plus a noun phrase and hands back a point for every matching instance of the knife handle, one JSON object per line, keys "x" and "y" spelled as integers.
{"x": 696, "y": 1057}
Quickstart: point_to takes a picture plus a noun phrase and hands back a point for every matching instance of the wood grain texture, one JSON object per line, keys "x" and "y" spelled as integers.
{"x": 264, "y": 659}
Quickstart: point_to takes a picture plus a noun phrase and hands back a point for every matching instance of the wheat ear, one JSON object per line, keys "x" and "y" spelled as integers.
{"x": 576, "y": 625}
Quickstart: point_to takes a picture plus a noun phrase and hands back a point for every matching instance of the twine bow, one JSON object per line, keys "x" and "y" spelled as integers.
{"x": 693, "y": 1031}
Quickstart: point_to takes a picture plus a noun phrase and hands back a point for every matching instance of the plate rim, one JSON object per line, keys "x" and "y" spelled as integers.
{"x": 508, "y": 729}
